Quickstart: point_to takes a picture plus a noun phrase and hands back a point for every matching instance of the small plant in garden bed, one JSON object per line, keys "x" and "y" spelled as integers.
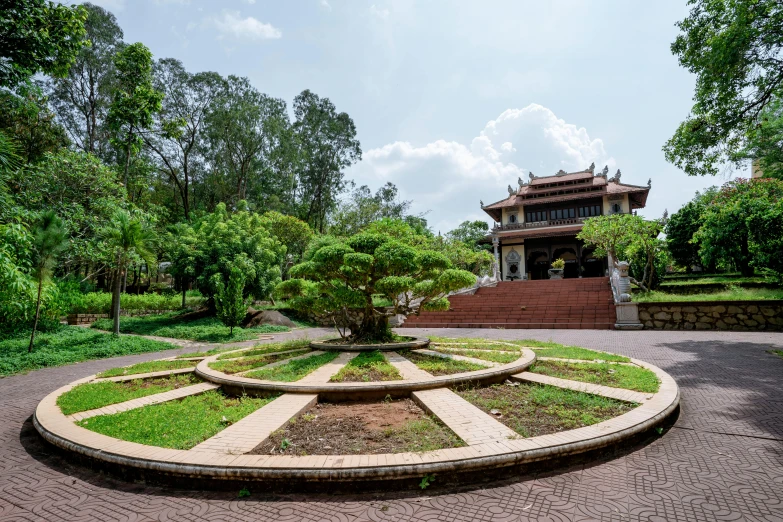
{"x": 605, "y": 374}
{"x": 92, "y": 395}
{"x": 262, "y": 349}
{"x": 485, "y": 355}
{"x": 293, "y": 370}
{"x": 207, "y": 329}
{"x": 365, "y": 367}
{"x": 178, "y": 424}
{"x": 352, "y": 428}
{"x": 147, "y": 367}
{"x": 439, "y": 365}
{"x": 68, "y": 344}
{"x": 243, "y": 364}
{"x": 532, "y": 409}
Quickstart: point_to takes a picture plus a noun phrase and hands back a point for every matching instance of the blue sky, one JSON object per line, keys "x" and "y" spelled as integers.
{"x": 454, "y": 100}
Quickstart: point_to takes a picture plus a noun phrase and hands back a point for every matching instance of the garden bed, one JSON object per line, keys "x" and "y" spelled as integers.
{"x": 732, "y": 294}
{"x": 532, "y": 410}
{"x": 366, "y": 367}
{"x": 178, "y": 424}
{"x": 242, "y": 364}
{"x": 606, "y": 374}
{"x": 293, "y": 370}
{"x": 575, "y": 352}
{"x": 360, "y": 428}
{"x": 341, "y": 345}
{"x": 147, "y": 367}
{"x": 205, "y": 329}
{"x": 439, "y": 365}
{"x": 89, "y": 396}
{"x": 263, "y": 349}
{"x": 497, "y": 356}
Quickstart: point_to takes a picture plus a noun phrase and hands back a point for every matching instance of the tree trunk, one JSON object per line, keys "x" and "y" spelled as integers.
{"x": 127, "y": 164}
{"x": 37, "y": 315}
{"x": 116, "y": 309}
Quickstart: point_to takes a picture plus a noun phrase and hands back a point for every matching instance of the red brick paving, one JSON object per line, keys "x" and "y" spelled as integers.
{"x": 722, "y": 461}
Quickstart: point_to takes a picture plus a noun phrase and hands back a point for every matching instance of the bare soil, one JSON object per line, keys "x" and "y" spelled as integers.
{"x": 352, "y": 428}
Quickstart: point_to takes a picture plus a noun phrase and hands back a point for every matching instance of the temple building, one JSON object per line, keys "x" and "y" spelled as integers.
{"x": 539, "y": 220}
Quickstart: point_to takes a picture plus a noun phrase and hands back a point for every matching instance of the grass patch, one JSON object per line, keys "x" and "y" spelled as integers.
{"x": 440, "y": 366}
{"x": 478, "y": 344}
{"x": 365, "y": 367}
{"x": 548, "y": 349}
{"x": 206, "y": 329}
{"x": 533, "y": 409}
{"x": 178, "y": 424}
{"x": 394, "y": 339}
{"x": 575, "y": 352}
{"x": 91, "y": 395}
{"x": 605, "y": 374}
{"x": 485, "y": 355}
{"x": 293, "y": 370}
{"x": 147, "y": 367}
{"x": 710, "y": 280}
{"x": 731, "y": 294}
{"x": 263, "y": 349}
{"x": 779, "y": 353}
{"x": 68, "y": 344}
{"x": 243, "y": 364}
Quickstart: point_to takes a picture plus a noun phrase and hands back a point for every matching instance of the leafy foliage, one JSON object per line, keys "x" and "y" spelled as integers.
{"x": 229, "y": 301}
{"x": 681, "y": 228}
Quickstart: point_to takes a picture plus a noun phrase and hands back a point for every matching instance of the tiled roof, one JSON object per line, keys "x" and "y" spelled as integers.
{"x": 573, "y": 176}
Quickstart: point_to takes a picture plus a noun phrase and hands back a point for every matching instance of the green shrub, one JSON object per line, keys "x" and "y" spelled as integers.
{"x": 100, "y": 302}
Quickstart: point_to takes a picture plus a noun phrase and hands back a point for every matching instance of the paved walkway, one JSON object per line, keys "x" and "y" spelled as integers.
{"x": 723, "y": 460}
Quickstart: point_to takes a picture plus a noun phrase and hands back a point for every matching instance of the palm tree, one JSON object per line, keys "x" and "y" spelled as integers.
{"x": 127, "y": 236}
{"x": 49, "y": 239}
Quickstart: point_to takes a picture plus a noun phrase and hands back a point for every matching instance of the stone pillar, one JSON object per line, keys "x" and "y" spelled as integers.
{"x": 496, "y": 267}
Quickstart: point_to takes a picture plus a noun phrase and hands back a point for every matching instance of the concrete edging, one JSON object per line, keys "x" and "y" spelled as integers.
{"x": 416, "y": 342}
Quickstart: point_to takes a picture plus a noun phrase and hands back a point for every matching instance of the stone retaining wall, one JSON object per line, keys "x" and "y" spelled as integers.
{"x": 712, "y": 315}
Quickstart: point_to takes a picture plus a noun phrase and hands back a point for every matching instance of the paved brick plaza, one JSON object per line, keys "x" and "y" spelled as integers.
{"x": 723, "y": 460}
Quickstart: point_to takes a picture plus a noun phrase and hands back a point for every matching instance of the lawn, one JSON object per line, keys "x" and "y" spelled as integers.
{"x": 439, "y": 365}
{"x": 779, "y": 353}
{"x": 91, "y": 395}
{"x": 532, "y": 409}
{"x": 293, "y": 370}
{"x": 178, "y": 424}
{"x": 66, "y": 345}
{"x": 497, "y": 356}
{"x": 147, "y": 367}
{"x": 207, "y": 329}
{"x": 479, "y": 344}
{"x": 605, "y": 374}
{"x": 365, "y": 367}
{"x": 732, "y": 294}
{"x": 243, "y": 364}
{"x": 575, "y": 352}
{"x": 262, "y": 349}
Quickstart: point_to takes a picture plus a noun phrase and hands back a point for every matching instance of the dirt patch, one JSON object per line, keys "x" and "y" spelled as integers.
{"x": 352, "y": 428}
{"x": 532, "y": 409}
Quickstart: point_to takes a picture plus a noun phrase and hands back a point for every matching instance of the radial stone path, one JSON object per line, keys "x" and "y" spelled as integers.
{"x": 723, "y": 459}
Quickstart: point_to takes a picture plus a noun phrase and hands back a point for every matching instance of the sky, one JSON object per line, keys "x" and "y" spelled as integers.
{"x": 455, "y": 100}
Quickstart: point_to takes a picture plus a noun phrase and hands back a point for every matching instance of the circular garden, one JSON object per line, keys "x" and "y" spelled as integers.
{"x": 299, "y": 412}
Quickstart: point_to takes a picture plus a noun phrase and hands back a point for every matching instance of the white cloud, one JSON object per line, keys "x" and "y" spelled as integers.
{"x": 448, "y": 178}
{"x": 251, "y": 2}
{"x": 230, "y": 23}
{"x": 180, "y": 2}
{"x": 379, "y": 11}
{"x": 325, "y": 4}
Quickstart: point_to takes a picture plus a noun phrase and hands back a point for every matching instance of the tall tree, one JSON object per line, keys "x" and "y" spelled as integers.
{"x": 49, "y": 239}
{"x": 682, "y": 227}
{"x": 38, "y": 36}
{"x": 764, "y": 143}
{"x": 81, "y": 99}
{"x": 735, "y": 49}
{"x": 127, "y": 237}
{"x": 25, "y": 117}
{"x": 246, "y": 129}
{"x": 470, "y": 233}
{"x": 134, "y": 101}
{"x": 326, "y": 144}
{"x": 363, "y": 207}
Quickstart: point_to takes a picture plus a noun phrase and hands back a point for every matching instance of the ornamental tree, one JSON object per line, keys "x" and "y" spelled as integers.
{"x": 229, "y": 299}
{"x": 340, "y": 277}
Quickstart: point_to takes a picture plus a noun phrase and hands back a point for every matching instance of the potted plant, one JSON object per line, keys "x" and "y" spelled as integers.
{"x": 558, "y": 266}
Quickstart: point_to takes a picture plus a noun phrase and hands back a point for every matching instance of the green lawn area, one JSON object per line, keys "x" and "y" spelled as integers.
{"x": 779, "y": 353}
{"x": 293, "y": 370}
{"x": 732, "y": 294}
{"x": 707, "y": 280}
{"x": 606, "y": 374}
{"x": 66, "y": 345}
{"x": 479, "y": 344}
{"x": 532, "y": 409}
{"x": 365, "y": 367}
{"x": 575, "y": 352}
{"x": 147, "y": 367}
{"x": 248, "y": 363}
{"x": 178, "y": 424}
{"x": 262, "y": 349}
{"x": 207, "y": 329}
{"x": 485, "y": 355}
{"x": 89, "y": 396}
{"x": 439, "y": 365}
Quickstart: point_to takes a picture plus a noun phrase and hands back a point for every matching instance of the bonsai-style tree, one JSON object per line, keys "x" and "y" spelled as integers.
{"x": 339, "y": 278}
{"x": 229, "y": 300}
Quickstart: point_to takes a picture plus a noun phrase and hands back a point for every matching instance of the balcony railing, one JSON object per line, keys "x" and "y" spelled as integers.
{"x": 539, "y": 224}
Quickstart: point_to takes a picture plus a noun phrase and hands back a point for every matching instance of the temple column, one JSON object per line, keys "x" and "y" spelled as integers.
{"x": 496, "y": 268}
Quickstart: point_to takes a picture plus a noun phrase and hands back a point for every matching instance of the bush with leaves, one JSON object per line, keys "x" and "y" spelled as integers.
{"x": 338, "y": 277}
{"x": 229, "y": 299}
{"x": 682, "y": 227}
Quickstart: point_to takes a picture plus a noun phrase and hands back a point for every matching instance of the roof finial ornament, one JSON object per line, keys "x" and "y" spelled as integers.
{"x": 605, "y": 171}
{"x": 482, "y": 203}
{"x": 649, "y": 183}
{"x": 617, "y": 176}
{"x": 591, "y": 168}
{"x": 511, "y": 191}
{"x": 531, "y": 176}
{"x": 521, "y": 181}
{"x": 561, "y": 172}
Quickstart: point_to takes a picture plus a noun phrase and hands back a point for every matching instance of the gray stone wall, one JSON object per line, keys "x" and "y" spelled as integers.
{"x": 715, "y": 315}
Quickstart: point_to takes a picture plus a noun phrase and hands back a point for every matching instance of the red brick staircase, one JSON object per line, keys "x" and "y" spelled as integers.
{"x": 568, "y": 303}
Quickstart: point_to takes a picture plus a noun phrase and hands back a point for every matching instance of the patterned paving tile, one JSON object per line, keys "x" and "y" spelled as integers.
{"x": 722, "y": 461}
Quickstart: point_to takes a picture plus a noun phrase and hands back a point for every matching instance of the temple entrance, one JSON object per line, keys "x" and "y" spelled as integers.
{"x": 538, "y": 265}
{"x": 568, "y": 255}
{"x": 592, "y": 266}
